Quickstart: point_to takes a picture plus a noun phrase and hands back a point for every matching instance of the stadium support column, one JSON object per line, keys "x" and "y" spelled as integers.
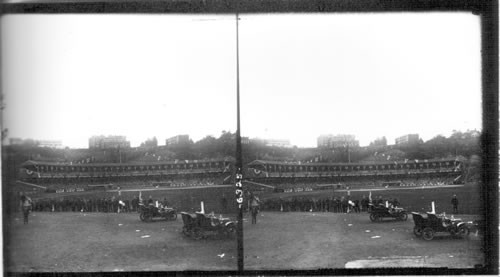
{"x": 239, "y": 162}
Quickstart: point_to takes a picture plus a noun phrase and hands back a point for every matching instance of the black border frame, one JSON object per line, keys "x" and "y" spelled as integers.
{"x": 486, "y": 9}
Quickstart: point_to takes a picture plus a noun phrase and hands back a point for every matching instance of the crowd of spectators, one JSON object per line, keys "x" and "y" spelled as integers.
{"x": 344, "y": 204}
{"x": 82, "y": 204}
{"x": 441, "y": 181}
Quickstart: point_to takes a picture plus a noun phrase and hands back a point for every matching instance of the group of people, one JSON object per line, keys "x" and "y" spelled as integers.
{"x": 344, "y": 204}
{"x": 82, "y": 204}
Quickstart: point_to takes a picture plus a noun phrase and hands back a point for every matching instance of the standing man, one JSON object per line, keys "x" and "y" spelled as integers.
{"x": 224, "y": 203}
{"x": 26, "y": 207}
{"x": 454, "y": 202}
{"x": 254, "y": 206}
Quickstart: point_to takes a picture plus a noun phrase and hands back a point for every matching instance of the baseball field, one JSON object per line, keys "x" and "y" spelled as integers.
{"x": 90, "y": 242}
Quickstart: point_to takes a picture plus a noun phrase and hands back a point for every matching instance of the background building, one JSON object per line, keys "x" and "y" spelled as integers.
{"x": 278, "y": 142}
{"x": 177, "y": 140}
{"x": 407, "y": 139}
{"x": 103, "y": 142}
{"x": 245, "y": 140}
{"x": 272, "y": 142}
{"x": 38, "y": 143}
{"x": 50, "y": 143}
{"x": 335, "y": 141}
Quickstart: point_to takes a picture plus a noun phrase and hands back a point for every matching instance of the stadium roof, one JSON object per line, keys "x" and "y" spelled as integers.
{"x": 263, "y": 162}
{"x": 32, "y": 162}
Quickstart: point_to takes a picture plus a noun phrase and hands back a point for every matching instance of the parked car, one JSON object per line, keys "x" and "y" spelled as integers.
{"x": 200, "y": 225}
{"x": 427, "y": 225}
{"x": 377, "y": 213}
{"x": 149, "y": 212}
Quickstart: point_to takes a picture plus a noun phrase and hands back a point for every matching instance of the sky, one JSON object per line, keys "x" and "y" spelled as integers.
{"x": 69, "y": 77}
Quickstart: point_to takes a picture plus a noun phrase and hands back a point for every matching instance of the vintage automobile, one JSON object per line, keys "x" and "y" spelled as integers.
{"x": 377, "y": 213}
{"x": 200, "y": 225}
{"x": 148, "y": 212}
{"x": 427, "y": 225}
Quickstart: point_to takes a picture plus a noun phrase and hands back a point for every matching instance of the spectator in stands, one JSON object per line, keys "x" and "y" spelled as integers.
{"x": 454, "y": 202}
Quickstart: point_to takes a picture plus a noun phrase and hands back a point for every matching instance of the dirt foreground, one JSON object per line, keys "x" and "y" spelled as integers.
{"x": 94, "y": 242}
{"x": 327, "y": 240}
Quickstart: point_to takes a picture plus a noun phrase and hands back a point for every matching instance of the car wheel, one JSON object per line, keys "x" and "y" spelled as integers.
{"x": 142, "y": 216}
{"x": 173, "y": 216}
{"x": 428, "y": 233}
{"x": 373, "y": 217}
{"x": 403, "y": 216}
{"x": 463, "y": 231}
{"x": 197, "y": 234}
{"x": 417, "y": 230}
{"x": 231, "y": 231}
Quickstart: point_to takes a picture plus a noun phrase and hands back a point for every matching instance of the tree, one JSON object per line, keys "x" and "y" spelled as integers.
{"x": 379, "y": 142}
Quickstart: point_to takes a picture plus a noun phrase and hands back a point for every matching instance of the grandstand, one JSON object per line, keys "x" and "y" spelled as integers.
{"x": 81, "y": 177}
{"x": 287, "y": 176}
{"x": 259, "y": 174}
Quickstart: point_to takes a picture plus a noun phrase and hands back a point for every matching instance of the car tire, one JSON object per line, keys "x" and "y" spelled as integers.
{"x": 403, "y": 216}
{"x": 418, "y": 231}
{"x": 463, "y": 232}
{"x": 373, "y": 217}
{"x": 185, "y": 231}
{"x": 231, "y": 231}
{"x": 173, "y": 216}
{"x": 197, "y": 234}
{"x": 428, "y": 233}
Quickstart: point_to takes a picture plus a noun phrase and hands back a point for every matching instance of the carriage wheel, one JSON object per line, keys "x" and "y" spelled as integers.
{"x": 428, "y": 233}
{"x": 403, "y": 216}
{"x": 463, "y": 232}
{"x": 373, "y": 217}
{"x": 417, "y": 230}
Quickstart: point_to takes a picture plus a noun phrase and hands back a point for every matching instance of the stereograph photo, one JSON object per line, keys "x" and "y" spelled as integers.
{"x": 238, "y": 139}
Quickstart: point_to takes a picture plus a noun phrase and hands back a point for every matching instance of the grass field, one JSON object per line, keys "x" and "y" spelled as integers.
{"x": 414, "y": 199}
{"x": 80, "y": 242}
{"x": 83, "y": 242}
{"x": 326, "y": 240}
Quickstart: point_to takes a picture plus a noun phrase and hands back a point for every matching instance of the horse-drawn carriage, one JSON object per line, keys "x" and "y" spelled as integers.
{"x": 427, "y": 225}
{"x": 378, "y": 212}
{"x": 200, "y": 225}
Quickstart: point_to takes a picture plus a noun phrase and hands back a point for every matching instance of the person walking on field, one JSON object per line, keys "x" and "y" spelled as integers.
{"x": 454, "y": 202}
{"x": 254, "y": 207}
{"x": 26, "y": 207}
